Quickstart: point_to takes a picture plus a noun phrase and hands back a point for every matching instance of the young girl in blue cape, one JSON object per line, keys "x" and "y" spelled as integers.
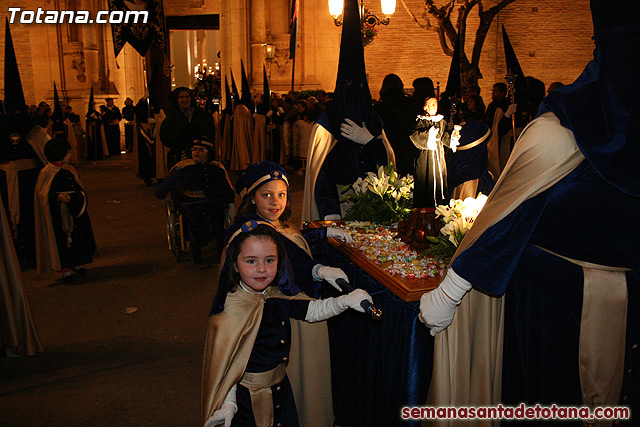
{"x": 249, "y": 332}
{"x": 264, "y": 188}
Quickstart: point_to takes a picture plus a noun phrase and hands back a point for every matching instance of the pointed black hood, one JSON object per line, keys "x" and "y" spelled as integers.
{"x": 234, "y": 90}
{"x": 246, "y": 91}
{"x": 16, "y": 123}
{"x": 601, "y": 107}
{"x": 91, "y": 102}
{"x": 513, "y": 67}
{"x": 265, "y": 85}
{"x": 351, "y": 97}
{"x": 58, "y": 116}
{"x": 454, "y": 87}
{"x": 228, "y": 103}
{"x": 13, "y": 94}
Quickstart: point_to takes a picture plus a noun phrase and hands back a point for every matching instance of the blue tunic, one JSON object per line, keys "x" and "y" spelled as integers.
{"x": 271, "y": 348}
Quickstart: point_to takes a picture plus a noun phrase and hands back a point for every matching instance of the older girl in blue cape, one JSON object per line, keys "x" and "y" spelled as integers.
{"x": 249, "y": 335}
{"x": 264, "y": 188}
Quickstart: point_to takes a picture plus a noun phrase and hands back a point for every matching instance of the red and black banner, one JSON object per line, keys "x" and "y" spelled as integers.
{"x": 140, "y": 34}
{"x": 294, "y": 29}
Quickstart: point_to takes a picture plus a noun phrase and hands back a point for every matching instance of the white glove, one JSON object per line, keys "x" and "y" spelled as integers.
{"x": 326, "y": 308}
{"x": 231, "y": 212}
{"x": 225, "y": 414}
{"x": 330, "y": 274}
{"x": 269, "y": 113}
{"x": 455, "y": 138}
{"x": 432, "y": 138}
{"x": 438, "y": 307}
{"x": 510, "y": 111}
{"x": 355, "y": 297}
{"x": 280, "y": 110}
{"x": 332, "y": 217}
{"x": 339, "y": 233}
{"x": 361, "y": 135}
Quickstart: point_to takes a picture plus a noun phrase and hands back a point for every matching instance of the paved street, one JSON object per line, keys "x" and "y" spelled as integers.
{"x": 102, "y": 366}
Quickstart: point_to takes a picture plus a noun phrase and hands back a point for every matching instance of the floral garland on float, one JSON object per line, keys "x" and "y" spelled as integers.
{"x": 382, "y": 199}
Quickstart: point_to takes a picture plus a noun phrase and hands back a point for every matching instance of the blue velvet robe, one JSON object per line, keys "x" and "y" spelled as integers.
{"x": 543, "y": 302}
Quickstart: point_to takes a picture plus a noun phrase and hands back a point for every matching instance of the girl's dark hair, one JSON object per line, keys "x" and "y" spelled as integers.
{"x": 262, "y": 231}
{"x": 248, "y": 208}
{"x": 56, "y": 149}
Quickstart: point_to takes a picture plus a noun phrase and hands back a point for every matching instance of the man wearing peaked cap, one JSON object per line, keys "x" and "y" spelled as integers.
{"x": 204, "y": 193}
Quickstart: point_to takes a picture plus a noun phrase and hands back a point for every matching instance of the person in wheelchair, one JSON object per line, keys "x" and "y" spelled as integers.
{"x": 204, "y": 196}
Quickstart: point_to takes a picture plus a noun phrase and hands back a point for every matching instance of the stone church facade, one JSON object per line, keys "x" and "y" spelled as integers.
{"x": 552, "y": 39}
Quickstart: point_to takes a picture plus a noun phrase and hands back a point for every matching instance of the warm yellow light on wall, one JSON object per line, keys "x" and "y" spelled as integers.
{"x": 366, "y": 17}
{"x": 388, "y": 6}
{"x": 335, "y": 7}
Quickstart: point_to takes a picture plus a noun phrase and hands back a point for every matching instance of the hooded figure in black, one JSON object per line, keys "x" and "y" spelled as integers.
{"x": 183, "y": 124}
{"x": 544, "y": 238}
{"x": 224, "y": 132}
{"x": 111, "y": 117}
{"x": 347, "y": 140}
{"x": 64, "y": 234}
{"x": 96, "y": 140}
{"x": 242, "y": 147}
{"x": 144, "y": 141}
{"x": 61, "y": 126}
{"x": 397, "y": 112}
{"x": 19, "y": 160}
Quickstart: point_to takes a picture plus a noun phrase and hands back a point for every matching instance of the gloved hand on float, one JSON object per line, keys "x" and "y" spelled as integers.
{"x": 329, "y": 274}
{"x": 339, "y": 233}
{"x": 332, "y": 217}
{"x": 438, "y": 307}
{"x": 329, "y": 307}
{"x": 361, "y": 135}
